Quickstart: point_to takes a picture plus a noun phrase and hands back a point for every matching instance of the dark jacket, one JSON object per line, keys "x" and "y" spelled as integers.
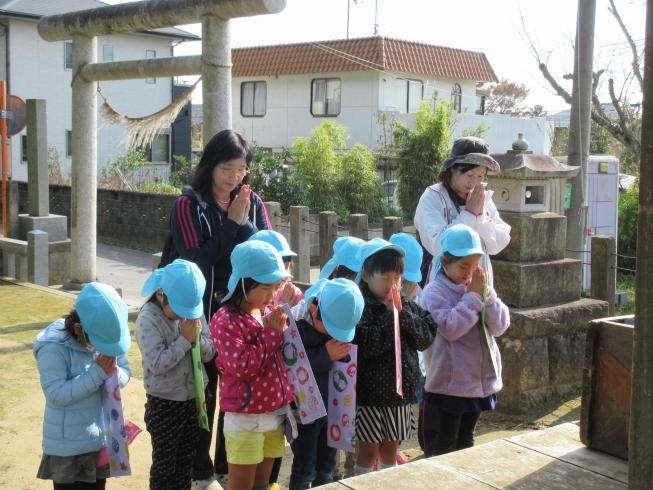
{"x": 314, "y": 343}
{"x": 203, "y": 234}
{"x": 376, "y": 380}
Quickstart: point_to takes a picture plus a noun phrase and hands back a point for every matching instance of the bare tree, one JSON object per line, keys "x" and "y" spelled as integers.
{"x": 506, "y": 97}
{"x": 625, "y": 125}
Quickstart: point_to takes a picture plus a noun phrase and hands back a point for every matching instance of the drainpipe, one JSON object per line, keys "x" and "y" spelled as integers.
{"x": 7, "y": 63}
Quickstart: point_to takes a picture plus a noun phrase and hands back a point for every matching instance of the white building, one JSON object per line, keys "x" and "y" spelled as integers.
{"x": 36, "y": 69}
{"x": 281, "y": 92}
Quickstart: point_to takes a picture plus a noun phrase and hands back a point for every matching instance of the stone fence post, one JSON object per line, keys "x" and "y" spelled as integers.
{"x": 358, "y": 226}
{"x": 274, "y": 213}
{"x": 38, "y": 258}
{"x": 328, "y": 235}
{"x": 603, "y": 270}
{"x": 300, "y": 243}
{"x": 392, "y": 225}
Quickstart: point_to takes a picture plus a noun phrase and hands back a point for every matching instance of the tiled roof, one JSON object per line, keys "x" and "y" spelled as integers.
{"x": 362, "y": 54}
{"x": 40, "y": 8}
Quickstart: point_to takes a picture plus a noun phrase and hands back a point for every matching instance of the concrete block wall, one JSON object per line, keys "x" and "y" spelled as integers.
{"x": 133, "y": 219}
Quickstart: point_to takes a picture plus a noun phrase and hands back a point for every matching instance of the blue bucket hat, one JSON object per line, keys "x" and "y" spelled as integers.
{"x": 103, "y": 315}
{"x": 373, "y": 246}
{"x": 459, "y": 241}
{"x": 413, "y": 258}
{"x": 258, "y": 260}
{"x": 341, "y": 306}
{"x": 345, "y": 250}
{"x": 183, "y": 284}
{"x": 277, "y": 240}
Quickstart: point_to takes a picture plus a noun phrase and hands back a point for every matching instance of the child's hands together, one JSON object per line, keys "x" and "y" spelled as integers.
{"x": 336, "y": 349}
{"x": 477, "y": 282}
{"x": 107, "y": 363}
{"x": 394, "y": 298}
{"x": 276, "y": 320}
{"x": 189, "y": 330}
{"x": 288, "y": 296}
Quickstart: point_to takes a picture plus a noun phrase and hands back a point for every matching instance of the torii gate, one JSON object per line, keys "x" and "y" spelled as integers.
{"x": 214, "y": 65}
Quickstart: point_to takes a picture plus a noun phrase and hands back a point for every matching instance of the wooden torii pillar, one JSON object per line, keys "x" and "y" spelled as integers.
{"x": 214, "y": 65}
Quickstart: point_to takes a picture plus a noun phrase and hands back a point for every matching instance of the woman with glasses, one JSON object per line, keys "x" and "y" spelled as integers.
{"x": 207, "y": 221}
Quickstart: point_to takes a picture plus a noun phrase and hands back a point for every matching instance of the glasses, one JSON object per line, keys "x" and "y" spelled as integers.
{"x": 286, "y": 260}
{"x": 238, "y": 171}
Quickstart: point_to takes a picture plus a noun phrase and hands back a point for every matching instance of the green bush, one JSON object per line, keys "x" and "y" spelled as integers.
{"x": 160, "y": 188}
{"x": 120, "y": 173}
{"x": 273, "y": 180}
{"x": 332, "y": 178}
{"x": 181, "y": 175}
{"x": 627, "y": 228}
{"x": 359, "y": 188}
{"x": 421, "y": 152}
{"x": 318, "y": 165}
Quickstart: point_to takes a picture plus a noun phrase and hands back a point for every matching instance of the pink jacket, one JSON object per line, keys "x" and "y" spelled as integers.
{"x": 458, "y": 363}
{"x": 253, "y": 376}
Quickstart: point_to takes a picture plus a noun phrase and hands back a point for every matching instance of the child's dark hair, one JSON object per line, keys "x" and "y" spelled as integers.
{"x": 344, "y": 272}
{"x": 155, "y": 300}
{"x": 238, "y": 296}
{"x": 386, "y": 260}
{"x": 69, "y": 321}
{"x": 444, "y": 177}
{"x": 318, "y": 314}
{"x": 449, "y": 258}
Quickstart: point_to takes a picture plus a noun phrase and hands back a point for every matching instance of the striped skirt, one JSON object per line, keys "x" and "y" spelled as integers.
{"x": 375, "y": 424}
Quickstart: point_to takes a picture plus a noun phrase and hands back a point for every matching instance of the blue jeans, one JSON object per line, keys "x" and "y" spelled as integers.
{"x": 313, "y": 461}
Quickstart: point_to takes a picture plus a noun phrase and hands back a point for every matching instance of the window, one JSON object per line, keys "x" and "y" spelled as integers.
{"x": 69, "y": 143}
{"x": 408, "y": 95}
{"x": 456, "y": 98}
{"x": 159, "y": 151}
{"x": 107, "y": 54}
{"x": 23, "y": 148}
{"x": 68, "y": 55}
{"x": 480, "y": 105}
{"x": 325, "y": 97}
{"x": 253, "y": 98}
{"x": 149, "y": 54}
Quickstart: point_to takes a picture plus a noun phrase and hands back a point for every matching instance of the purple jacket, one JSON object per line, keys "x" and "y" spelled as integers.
{"x": 458, "y": 363}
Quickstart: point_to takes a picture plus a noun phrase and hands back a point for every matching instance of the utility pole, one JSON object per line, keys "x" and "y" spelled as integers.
{"x": 348, "y": 6}
{"x": 580, "y": 126}
{"x": 640, "y": 470}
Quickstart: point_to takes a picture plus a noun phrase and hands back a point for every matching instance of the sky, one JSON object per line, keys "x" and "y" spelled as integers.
{"x": 494, "y": 27}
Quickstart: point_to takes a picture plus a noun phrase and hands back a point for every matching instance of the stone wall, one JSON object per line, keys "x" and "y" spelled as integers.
{"x": 131, "y": 219}
{"x": 542, "y": 353}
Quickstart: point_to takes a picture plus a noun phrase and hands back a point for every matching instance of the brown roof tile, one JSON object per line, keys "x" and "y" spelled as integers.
{"x": 369, "y": 53}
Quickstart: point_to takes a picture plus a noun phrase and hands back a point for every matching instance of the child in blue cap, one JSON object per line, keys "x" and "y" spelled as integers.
{"x": 74, "y": 356}
{"x": 335, "y": 308}
{"x": 166, "y": 330}
{"x": 254, "y": 390}
{"x": 412, "y": 275}
{"x": 463, "y": 366}
{"x": 288, "y": 293}
{"x": 344, "y": 262}
{"x": 383, "y": 417}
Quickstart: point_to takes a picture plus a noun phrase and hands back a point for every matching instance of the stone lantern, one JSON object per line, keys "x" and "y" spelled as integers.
{"x": 526, "y": 181}
{"x": 543, "y": 349}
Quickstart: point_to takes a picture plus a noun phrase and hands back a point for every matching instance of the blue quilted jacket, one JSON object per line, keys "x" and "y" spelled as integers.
{"x": 71, "y": 380}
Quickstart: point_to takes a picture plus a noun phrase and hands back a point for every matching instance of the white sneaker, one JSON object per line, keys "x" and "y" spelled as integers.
{"x": 208, "y": 484}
